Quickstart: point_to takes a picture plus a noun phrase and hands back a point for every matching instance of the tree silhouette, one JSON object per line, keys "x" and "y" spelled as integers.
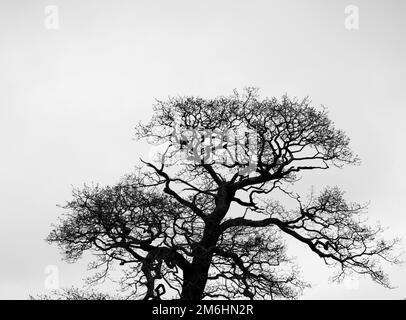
{"x": 204, "y": 217}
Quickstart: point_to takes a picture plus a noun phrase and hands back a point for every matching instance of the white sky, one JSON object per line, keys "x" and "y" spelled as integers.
{"x": 71, "y": 97}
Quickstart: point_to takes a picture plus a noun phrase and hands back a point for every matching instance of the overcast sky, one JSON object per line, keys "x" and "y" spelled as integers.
{"x": 70, "y": 98}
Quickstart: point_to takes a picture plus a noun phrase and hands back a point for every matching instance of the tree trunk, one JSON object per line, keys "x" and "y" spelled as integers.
{"x": 195, "y": 278}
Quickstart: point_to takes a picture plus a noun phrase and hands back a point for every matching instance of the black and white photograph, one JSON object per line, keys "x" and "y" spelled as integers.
{"x": 202, "y": 151}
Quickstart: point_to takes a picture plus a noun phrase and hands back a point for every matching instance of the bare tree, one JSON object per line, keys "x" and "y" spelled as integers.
{"x": 205, "y": 219}
{"x": 74, "y": 294}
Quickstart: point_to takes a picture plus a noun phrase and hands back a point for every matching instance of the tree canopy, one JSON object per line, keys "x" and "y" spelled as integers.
{"x": 204, "y": 218}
